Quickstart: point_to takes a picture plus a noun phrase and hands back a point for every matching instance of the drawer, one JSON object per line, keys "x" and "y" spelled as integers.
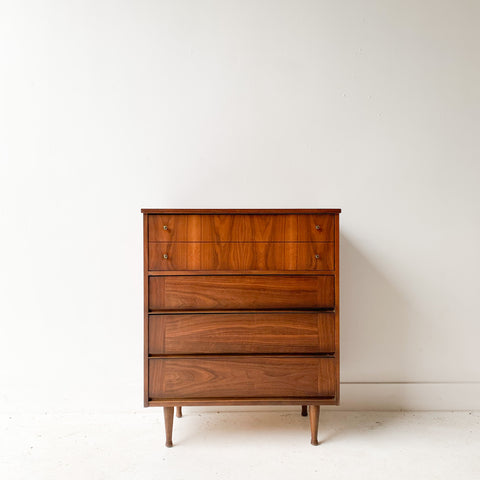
{"x": 241, "y": 256}
{"x": 241, "y": 228}
{"x": 256, "y": 332}
{"x": 241, "y": 377}
{"x": 218, "y": 292}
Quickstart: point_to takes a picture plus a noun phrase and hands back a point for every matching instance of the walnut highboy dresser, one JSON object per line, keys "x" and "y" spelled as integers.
{"x": 241, "y": 308}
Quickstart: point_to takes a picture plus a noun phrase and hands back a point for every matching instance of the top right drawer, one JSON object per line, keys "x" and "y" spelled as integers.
{"x": 241, "y": 228}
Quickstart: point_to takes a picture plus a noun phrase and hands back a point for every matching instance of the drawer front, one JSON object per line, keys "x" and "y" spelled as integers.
{"x": 273, "y": 332}
{"x": 259, "y": 256}
{"x": 178, "y": 292}
{"x": 241, "y": 377}
{"x": 241, "y": 228}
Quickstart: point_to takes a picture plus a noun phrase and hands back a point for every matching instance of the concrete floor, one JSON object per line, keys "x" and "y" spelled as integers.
{"x": 258, "y": 444}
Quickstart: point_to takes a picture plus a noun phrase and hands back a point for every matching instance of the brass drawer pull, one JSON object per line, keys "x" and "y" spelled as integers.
{"x": 317, "y": 256}
{"x": 317, "y": 227}
{"x": 165, "y": 256}
{"x": 165, "y": 227}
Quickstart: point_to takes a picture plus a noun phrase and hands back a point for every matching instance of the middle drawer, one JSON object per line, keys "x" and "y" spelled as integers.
{"x": 241, "y": 256}
{"x": 252, "y": 332}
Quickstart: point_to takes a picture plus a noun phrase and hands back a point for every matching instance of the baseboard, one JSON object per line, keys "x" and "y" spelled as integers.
{"x": 409, "y": 396}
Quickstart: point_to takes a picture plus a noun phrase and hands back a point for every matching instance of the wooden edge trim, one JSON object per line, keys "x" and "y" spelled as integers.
{"x": 251, "y": 310}
{"x": 337, "y": 305}
{"x": 241, "y": 401}
{"x": 145, "y": 311}
{"x": 244, "y": 211}
{"x": 158, "y": 273}
{"x": 228, "y": 355}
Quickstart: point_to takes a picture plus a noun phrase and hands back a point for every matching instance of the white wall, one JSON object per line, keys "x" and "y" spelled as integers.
{"x": 107, "y": 107}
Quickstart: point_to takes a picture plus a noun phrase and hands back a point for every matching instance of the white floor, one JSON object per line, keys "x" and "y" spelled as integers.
{"x": 260, "y": 444}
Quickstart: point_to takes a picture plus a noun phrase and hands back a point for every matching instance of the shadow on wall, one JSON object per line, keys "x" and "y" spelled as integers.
{"x": 375, "y": 329}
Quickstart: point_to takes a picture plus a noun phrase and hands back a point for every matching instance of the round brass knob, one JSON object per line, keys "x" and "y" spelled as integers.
{"x": 165, "y": 256}
{"x": 317, "y": 256}
{"x": 317, "y": 227}
{"x": 165, "y": 227}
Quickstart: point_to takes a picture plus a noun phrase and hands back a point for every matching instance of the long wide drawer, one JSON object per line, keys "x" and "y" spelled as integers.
{"x": 181, "y": 292}
{"x": 241, "y": 256}
{"x": 241, "y": 376}
{"x": 265, "y": 332}
{"x": 241, "y": 228}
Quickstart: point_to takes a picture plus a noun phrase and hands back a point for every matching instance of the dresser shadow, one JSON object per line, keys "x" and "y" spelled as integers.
{"x": 376, "y": 328}
{"x": 339, "y": 425}
{"x": 334, "y": 426}
{"x": 225, "y": 426}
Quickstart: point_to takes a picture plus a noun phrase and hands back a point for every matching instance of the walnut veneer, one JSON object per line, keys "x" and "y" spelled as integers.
{"x": 241, "y": 308}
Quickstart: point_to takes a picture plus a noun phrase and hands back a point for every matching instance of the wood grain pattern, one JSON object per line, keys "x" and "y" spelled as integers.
{"x": 241, "y": 292}
{"x": 241, "y": 228}
{"x": 280, "y": 332}
{"x": 258, "y": 256}
{"x": 242, "y": 376}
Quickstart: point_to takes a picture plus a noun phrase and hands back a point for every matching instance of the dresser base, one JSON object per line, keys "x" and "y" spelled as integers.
{"x": 216, "y": 402}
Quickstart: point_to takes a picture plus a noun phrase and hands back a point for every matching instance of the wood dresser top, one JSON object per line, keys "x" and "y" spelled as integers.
{"x": 244, "y": 211}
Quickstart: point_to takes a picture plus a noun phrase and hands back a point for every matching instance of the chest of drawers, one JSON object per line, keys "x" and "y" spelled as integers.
{"x": 241, "y": 308}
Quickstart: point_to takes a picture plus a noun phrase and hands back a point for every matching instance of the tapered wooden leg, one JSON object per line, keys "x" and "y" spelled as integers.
{"x": 314, "y": 415}
{"x": 304, "y": 411}
{"x": 168, "y": 414}
{"x": 179, "y": 412}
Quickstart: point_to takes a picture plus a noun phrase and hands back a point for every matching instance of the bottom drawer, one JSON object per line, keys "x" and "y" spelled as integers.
{"x": 241, "y": 377}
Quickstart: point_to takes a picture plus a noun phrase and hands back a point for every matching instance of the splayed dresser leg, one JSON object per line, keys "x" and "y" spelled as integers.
{"x": 168, "y": 415}
{"x": 314, "y": 411}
